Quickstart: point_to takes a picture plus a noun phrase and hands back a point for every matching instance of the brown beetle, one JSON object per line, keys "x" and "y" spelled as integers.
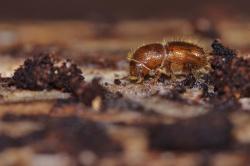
{"x": 173, "y": 58}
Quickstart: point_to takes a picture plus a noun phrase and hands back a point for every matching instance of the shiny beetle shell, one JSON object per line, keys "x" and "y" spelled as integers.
{"x": 173, "y": 58}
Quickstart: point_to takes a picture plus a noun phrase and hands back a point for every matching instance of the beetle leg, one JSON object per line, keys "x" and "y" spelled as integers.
{"x": 173, "y": 77}
{"x": 196, "y": 74}
{"x": 172, "y": 72}
{"x": 169, "y": 71}
{"x": 188, "y": 68}
{"x": 140, "y": 74}
{"x": 163, "y": 68}
{"x": 192, "y": 69}
{"x": 165, "y": 57}
{"x": 157, "y": 76}
{"x": 139, "y": 80}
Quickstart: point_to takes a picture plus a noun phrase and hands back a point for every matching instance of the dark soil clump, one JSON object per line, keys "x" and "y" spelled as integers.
{"x": 87, "y": 92}
{"x": 47, "y": 71}
{"x": 230, "y": 77}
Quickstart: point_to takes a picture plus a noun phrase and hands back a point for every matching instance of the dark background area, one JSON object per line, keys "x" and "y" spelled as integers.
{"x": 112, "y": 10}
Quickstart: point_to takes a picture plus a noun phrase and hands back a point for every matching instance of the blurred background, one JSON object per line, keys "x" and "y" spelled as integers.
{"x": 113, "y": 28}
{"x": 113, "y": 10}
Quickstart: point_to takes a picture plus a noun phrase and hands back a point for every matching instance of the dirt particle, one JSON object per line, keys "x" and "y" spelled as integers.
{"x": 117, "y": 81}
{"x": 87, "y": 92}
{"x": 231, "y": 74}
{"x": 174, "y": 95}
{"x": 189, "y": 81}
{"x": 47, "y": 71}
{"x": 220, "y": 50}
